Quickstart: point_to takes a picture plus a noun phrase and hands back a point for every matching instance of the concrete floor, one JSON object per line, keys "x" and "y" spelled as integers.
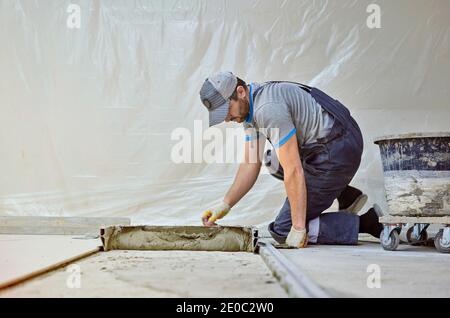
{"x": 21, "y": 255}
{"x": 343, "y": 270}
{"x": 158, "y": 274}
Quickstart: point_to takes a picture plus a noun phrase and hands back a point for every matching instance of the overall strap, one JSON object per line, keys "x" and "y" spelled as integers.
{"x": 302, "y": 86}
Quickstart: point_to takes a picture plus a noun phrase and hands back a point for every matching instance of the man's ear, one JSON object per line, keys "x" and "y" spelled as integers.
{"x": 242, "y": 93}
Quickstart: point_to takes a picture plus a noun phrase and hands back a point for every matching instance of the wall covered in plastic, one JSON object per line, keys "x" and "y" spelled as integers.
{"x": 90, "y": 94}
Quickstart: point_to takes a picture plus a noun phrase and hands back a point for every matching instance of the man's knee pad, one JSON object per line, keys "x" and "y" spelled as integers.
{"x": 273, "y": 164}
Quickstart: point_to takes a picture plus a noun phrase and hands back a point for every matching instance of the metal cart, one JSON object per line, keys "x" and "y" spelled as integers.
{"x": 417, "y": 234}
{"x": 417, "y": 182}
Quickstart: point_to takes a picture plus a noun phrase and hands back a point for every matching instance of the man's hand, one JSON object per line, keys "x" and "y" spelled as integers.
{"x": 210, "y": 217}
{"x": 297, "y": 238}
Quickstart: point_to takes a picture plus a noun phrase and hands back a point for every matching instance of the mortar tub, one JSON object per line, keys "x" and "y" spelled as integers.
{"x": 192, "y": 238}
{"x": 416, "y": 173}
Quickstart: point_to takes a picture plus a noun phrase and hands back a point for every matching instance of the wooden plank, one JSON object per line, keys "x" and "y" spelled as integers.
{"x": 192, "y": 238}
{"x": 410, "y": 219}
{"x": 26, "y": 256}
{"x": 38, "y": 225}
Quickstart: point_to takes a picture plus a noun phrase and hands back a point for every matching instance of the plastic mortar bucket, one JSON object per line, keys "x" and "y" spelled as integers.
{"x": 416, "y": 173}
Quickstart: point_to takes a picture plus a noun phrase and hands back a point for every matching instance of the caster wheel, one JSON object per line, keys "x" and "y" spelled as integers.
{"x": 422, "y": 240}
{"x": 439, "y": 244}
{"x": 390, "y": 243}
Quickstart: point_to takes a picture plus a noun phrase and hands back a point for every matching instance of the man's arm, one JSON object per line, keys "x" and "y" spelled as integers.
{"x": 294, "y": 181}
{"x": 245, "y": 179}
{"x": 247, "y": 173}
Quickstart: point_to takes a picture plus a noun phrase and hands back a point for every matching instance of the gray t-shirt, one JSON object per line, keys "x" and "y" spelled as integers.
{"x": 281, "y": 110}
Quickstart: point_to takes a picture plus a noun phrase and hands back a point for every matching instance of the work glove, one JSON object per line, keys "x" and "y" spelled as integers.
{"x": 210, "y": 217}
{"x": 297, "y": 238}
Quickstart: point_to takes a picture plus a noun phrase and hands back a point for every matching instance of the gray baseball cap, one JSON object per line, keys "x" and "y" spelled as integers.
{"x": 215, "y": 94}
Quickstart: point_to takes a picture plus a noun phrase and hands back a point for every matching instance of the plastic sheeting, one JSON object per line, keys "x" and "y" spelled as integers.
{"x": 86, "y": 114}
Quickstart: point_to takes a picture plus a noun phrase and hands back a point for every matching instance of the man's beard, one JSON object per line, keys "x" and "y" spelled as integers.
{"x": 245, "y": 109}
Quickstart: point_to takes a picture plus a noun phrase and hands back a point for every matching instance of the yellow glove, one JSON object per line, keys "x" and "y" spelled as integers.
{"x": 297, "y": 238}
{"x": 210, "y": 217}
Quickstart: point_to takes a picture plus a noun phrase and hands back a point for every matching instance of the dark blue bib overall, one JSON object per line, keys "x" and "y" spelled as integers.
{"x": 329, "y": 165}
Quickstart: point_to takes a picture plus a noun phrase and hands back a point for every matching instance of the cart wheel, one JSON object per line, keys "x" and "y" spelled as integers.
{"x": 391, "y": 243}
{"x": 439, "y": 244}
{"x": 422, "y": 240}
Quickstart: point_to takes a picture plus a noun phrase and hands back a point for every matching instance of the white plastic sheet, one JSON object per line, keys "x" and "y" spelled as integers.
{"x": 86, "y": 114}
